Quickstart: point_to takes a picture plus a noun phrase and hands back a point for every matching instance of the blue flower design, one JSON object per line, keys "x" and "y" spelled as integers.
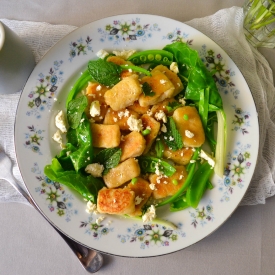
{"x": 140, "y": 32}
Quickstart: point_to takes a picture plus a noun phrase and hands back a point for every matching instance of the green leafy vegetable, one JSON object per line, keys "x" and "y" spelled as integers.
{"x": 179, "y": 204}
{"x": 104, "y": 72}
{"x": 199, "y": 184}
{"x": 159, "y": 148}
{"x": 147, "y": 90}
{"x": 172, "y": 137}
{"x": 109, "y": 158}
{"x": 81, "y": 82}
{"x": 155, "y": 165}
{"x": 86, "y": 186}
{"x": 75, "y": 110}
{"x": 197, "y": 74}
{"x": 84, "y": 153}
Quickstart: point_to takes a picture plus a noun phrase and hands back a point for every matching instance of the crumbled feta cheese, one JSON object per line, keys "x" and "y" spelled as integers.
{"x": 163, "y": 128}
{"x": 209, "y": 159}
{"x": 171, "y": 138}
{"x": 91, "y": 207}
{"x": 126, "y": 113}
{"x": 102, "y": 54}
{"x": 98, "y": 88}
{"x": 192, "y": 161}
{"x": 182, "y": 101}
{"x": 58, "y": 138}
{"x": 99, "y": 220}
{"x": 120, "y": 114}
{"x": 138, "y": 200}
{"x": 150, "y": 214}
{"x": 134, "y": 124}
{"x": 115, "y": 119}
{"x": 95, "y": 169}
{"x": 189, "y": 134}
{"x": 125, "y": 54}
{"x": 95, "y": 108}
{"x": 149, "y": 112}
{"x": 160, "y": 115}
{"x": 174, "y": 67}
{"x": 162, "y": 81}
{"x": 60, "y": 122}
{"x": 152, "y": 186}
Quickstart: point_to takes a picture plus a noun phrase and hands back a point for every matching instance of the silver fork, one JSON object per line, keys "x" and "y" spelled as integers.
{"x": 90, "y": 260}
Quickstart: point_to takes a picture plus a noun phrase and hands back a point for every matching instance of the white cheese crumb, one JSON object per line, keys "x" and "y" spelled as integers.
{"x": 171, "y": 138}
{"x": 149, "y": 113}
{"x": 120, "y": 114}
{"x": 192, "y": 161}
{"x": 182, "y": 101}
{"x": 98, "y": 88}
{"x": 125, "y": 54}
{"x": 209, "y": 159}
{"x": 162, "y": 81}
{"x": 163, "y": 128}
{"x": 152, "y": 186}
{"x": 91, "y": 207}
{"x": 174, "y": 67}
{"x": 160, "y": 115}
{"x": 189, "y": 134}
{"x": 126, "y": 113}
{"x": 138, "y": 200}
{"x": 134, "y": 124}
{"x": 95, "y": 169}
{"x": 115, "y": 119}
{"x": 150, "y": 214}
{"x": 58, "y": 138}
{"x": 102, "y": 54}
{"x": 95, "y": 108}
{"x": 60, "y": 122}
{"x": 99, "y": 220}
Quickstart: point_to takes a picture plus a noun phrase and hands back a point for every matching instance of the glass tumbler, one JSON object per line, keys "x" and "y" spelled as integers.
{"x": 259, "y": 22}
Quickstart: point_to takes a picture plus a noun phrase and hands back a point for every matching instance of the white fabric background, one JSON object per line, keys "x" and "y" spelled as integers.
{"x": 225, "y": 28}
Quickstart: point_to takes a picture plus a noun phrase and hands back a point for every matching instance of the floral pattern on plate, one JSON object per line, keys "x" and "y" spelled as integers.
{"x": 42, "y": 95}
{"x": 33, "y": 139}
{"x": 221, "y": 73}
{"x": 151, "y": 235}
{"x": 178, "y": 35}
{"x": 237, "y": 166}
{"x": 202, "y": 215}
{"x": 241, "y": 121}
{"x": 54, "y": 194}
{"x": 80, "y": 46}
{"x": 126, "y": 31}
{"x": 95, "y": 229}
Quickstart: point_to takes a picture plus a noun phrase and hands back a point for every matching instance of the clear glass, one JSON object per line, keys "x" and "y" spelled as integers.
{"x": 259, "y": 22}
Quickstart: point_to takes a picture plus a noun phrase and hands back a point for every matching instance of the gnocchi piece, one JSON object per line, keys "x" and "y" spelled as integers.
{"x": 116, "y": 201}
{"x": 142, "y": 194}
{"x": 168, "y": 186}
{"x": 124, "y": 172}
{"x": 189, "y": 124}
{"x": 173, "y": 77}
{"x": 124, "y": 93}
{"x": 181, "y": 156}
{"x": 105, "y": 136}
{"x": 119, "y": 117}
{"x": 150, "y": 122}
{"x": 161, "y": 86}
{"x": 138, "y": 109}
{"x": 132, "y": 145}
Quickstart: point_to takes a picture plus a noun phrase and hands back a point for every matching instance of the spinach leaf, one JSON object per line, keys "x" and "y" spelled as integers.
{"x": 72, "y": 136}
{"x": 64, "y": 157}
{"x": 172, "y": 137}
{"x": 75, "y": 110}
{"x": 153, "y": 165}
{"x": 198, "y": 76}
{"x": 104, "y": 72}
{"x": 109, "y": 158}
{"x": 84, "y": 153}
{"x": 86, "y": 186}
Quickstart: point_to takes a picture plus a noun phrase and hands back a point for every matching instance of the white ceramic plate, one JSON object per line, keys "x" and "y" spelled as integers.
{"x": 45, "y": 94}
